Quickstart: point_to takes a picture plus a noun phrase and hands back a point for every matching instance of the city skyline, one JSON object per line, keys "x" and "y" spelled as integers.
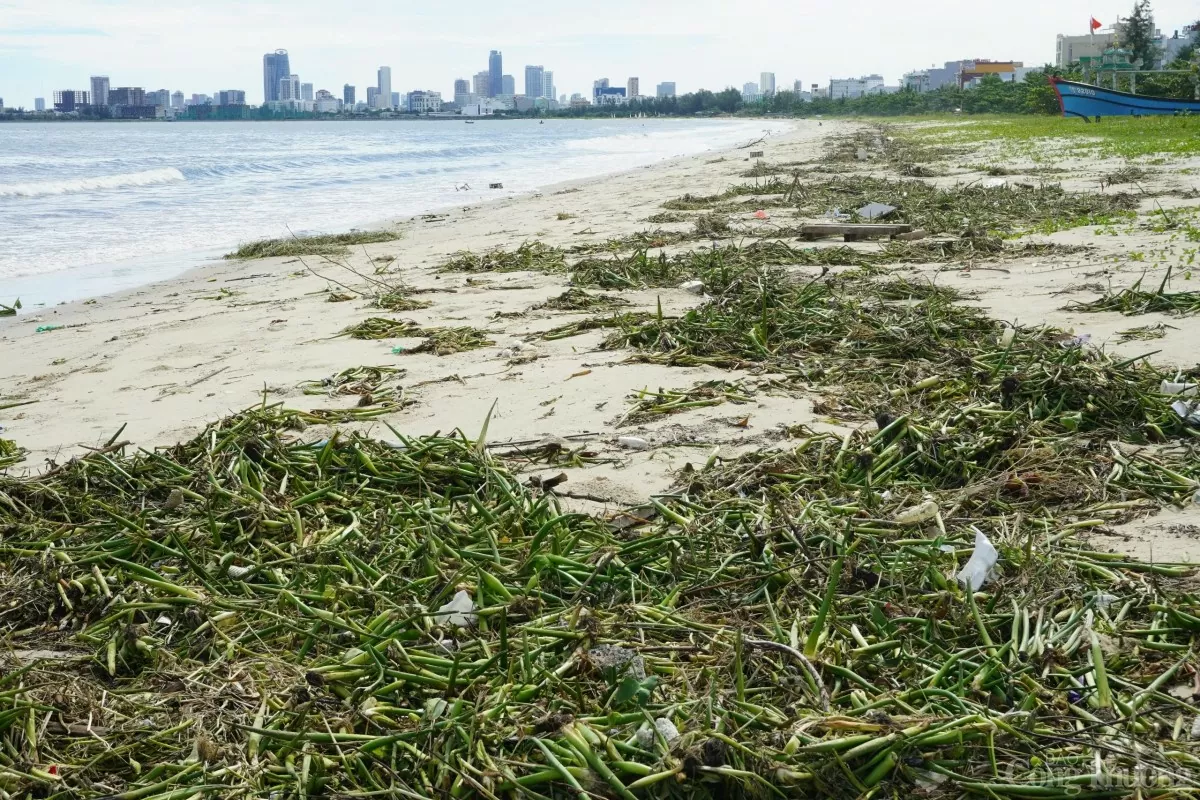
{"x": 430, "y": 49}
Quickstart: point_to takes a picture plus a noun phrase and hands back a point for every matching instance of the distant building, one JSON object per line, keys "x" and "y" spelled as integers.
{"x": 68, "y": 100}
{"x": 750, "y": 92}
{"x": 633, "y": 88}
{"x": 100, "y": 90}
{"x": 162, "y": 97}
{"x": 535, "y": 83}
{"x": 495, "y": 73}
{"x": 325, "y": 103}
{"x": 973, "y": 71}
{"x": 666, "y": 89}
{"x": 462, "y": 86}
{"x": 231, "y": 97}
{"x": 603, "y": 94}
{"x": 797, "y": 86}
{"x": 127, "y": 96}
{"x": 766, "y": 84}
{"x": 508, "y": 85}
{"x": 275, "y": 68}
{"x": 372, "y": 97}
{"x": 1173, "y": 47}
{"x": 177, "y": 99}
{"x": 348, "y": 95}
{"x": 289, "y": 89}
{"x": 306, "y": 91}
{"x": 427, "y": 102}
{"x": 481, "y": 84}
{"x": 1069, "y": 49}
{"x": 39, "y": 104}
{"x": 850, "y": 88}
{"x": 548, "y": 87}
{"x": 396, "y": 101}
{"x": 384, "y": 97}
{"x": 200, "y": 100}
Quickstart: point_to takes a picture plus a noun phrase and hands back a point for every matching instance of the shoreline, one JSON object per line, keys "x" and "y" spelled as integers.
{"x": 172, "y": 265}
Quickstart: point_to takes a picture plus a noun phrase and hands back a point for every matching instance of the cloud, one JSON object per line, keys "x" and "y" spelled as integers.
{"x": 51, "y": 30}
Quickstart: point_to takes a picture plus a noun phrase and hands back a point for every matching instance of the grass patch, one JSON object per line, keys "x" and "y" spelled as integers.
{"x": 576, "y": 299}
{"x": 447, "y": 341}
{"x": 324, "y": 245}
{"x": 665, "y": 217}
{"x": 1134, "y": 301}
{"x": 530, "y": 256}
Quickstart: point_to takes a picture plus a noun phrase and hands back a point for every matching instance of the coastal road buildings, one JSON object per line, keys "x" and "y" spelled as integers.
{"x": 766, "y": 84}
{"x": 39, "y": 104}
{"x": 306, "y": 91}
{"x": 495, "y": 73}
{"x": 100, "y": 90}
{"x": 633, "y": 88}
{"x": 384, "y": 84}
{"x": 372, "y": 96}
{"x": 666, "y": 89}
{"x": 535, "y": 80}
{"x": 348, "y": 95}
{"x": 275, "y": 68}
{"x": 177, "y": 99}
{"x": 750, "y": 92}
{"x": 508, "y": 86}
{"x": 481, "y": 84}
{"x": 548, "y": 87}
{"x": 850, "y": 88}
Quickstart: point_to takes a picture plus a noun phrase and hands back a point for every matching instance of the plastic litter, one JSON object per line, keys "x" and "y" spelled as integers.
{"x": 995, "y": 183}
{"x": 1007, "y": 337}
{"x": 761, "y": 215}
{"x": 861, "y": 155}
{"x": 398, "y": 350}
{"x": 918, "y": 514}
{"x": 876, "y": 210}
{"x": 1103, "y": 601}
{"x": 695, "y": 287}
{"x": 1196, "y": 728}
{"x": 1181, "y": 389}
{"x": 47, "y": 328}
{"x": 1189, "y": 411}
{"x": 1076, "y": 341}
{"x": 237, "y": 573}
{"x": 458, "y": 612}
{"x": 622, "y": 659}
{"x": 633, "y": 443}
{"x": 979, "y": 566}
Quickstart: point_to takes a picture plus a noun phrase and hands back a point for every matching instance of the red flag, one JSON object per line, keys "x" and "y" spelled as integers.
{"x": 1096, "y": 25}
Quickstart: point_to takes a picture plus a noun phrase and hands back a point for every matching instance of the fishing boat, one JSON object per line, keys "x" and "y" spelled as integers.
{"x": 1089, "y": 102}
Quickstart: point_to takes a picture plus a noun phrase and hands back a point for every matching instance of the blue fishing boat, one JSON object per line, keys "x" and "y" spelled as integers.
{"x": 1091, "y": 102}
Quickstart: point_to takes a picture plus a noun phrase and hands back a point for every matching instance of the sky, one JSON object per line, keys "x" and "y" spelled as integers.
{"x": 200, "y": 47}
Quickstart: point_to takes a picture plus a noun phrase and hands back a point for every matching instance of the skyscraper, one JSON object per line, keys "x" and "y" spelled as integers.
{"x": 461, "y": 86}
{"x": 482, "y": 83}
{"x": 229, "y": 97}
{"x": 548, "y": 84}
{"x": 39, "y": 104}
{"x": 306, "y": 91}
{"x": 348, "y": 94}
{"x": 275, "y": 68}
{"x": 396, "y": 103}
{"x": 508, "y": 85}
{"x": 766, "y": 84}
{"x": 385, "y": 87}
{"x": 100, "y": 90}
{"x": 535, "y": 83}
{"x": 632, "y": 89}
{"x": 289, "y": 88}
{"x": 372, "y": 96}
{"x": 177, "y": 99}
{"x": 495, "y": 74}
{"x": 666, "y": 89}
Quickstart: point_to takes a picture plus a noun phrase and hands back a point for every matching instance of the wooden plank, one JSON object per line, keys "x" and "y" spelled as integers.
{"x": 852, "y": 232}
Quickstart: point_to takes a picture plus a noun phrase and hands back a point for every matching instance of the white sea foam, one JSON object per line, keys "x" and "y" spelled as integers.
{"x": 148, "y": 177}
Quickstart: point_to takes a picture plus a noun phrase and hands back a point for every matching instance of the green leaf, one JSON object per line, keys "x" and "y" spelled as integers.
{"x": 635, "y": 691}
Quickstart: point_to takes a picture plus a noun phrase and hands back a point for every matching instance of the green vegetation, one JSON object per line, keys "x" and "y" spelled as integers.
{"x": 533, "y": 256}
{"x": 323, "y": 245}
{"x": 10, "y": 453}
{"x": 1112, "y": 138}
{"x": 576, "y": 299}
{"x": 1134, "y": 301}
{"x": 10, "y": 311}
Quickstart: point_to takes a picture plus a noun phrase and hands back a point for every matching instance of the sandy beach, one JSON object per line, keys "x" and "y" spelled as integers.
{"x": 155, "y": 365}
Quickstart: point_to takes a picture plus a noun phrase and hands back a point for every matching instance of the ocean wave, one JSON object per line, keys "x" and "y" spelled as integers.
{"x": 148, "y": 177}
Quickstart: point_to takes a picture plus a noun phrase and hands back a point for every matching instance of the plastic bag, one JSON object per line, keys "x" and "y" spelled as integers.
{"x": 979, "y": 566}
{"x": 457, "y": 613}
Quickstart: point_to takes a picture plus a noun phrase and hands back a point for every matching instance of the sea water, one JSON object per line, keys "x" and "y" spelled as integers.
{"x": 91, "y": 208}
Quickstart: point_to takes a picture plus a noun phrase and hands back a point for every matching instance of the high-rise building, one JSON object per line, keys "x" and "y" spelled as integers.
{"x": 306, "y": 91}
{"x": 508, "y": 85}
{"x": 127, "y": 96}
{"x": 231, "y": 97}
{"x": 348, "y": 94}
{"x": 200, "y": 100}
{"x": 162, "y": 97}
{"x": 396, "y": 101}
{"x": 495, "y": 74}
{"x": 373, "y": 96}
{"x": 750, "y": 92}
{"x": 766, "y": 84}
{"x": 100, "y": 90}
{"x": 798, "y": 86}
{"x": 276, "y": 67}
{"x": 39, "y": 104}
{"x": 177, "y": 99}
{"x": 632, "y": 89}
{"x": 385, "y": 87}
{"x": 482, "y": 83}
{"x": 289, "y": 88}
{"x": 67, "y": 100}
{"x": 666, "y": 89}
{"x": 548, "y": 87}
{"x": 534, "y": 80}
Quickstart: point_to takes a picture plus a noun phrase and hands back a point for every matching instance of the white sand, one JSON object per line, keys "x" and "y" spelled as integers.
{"x": 169, "y": 358}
